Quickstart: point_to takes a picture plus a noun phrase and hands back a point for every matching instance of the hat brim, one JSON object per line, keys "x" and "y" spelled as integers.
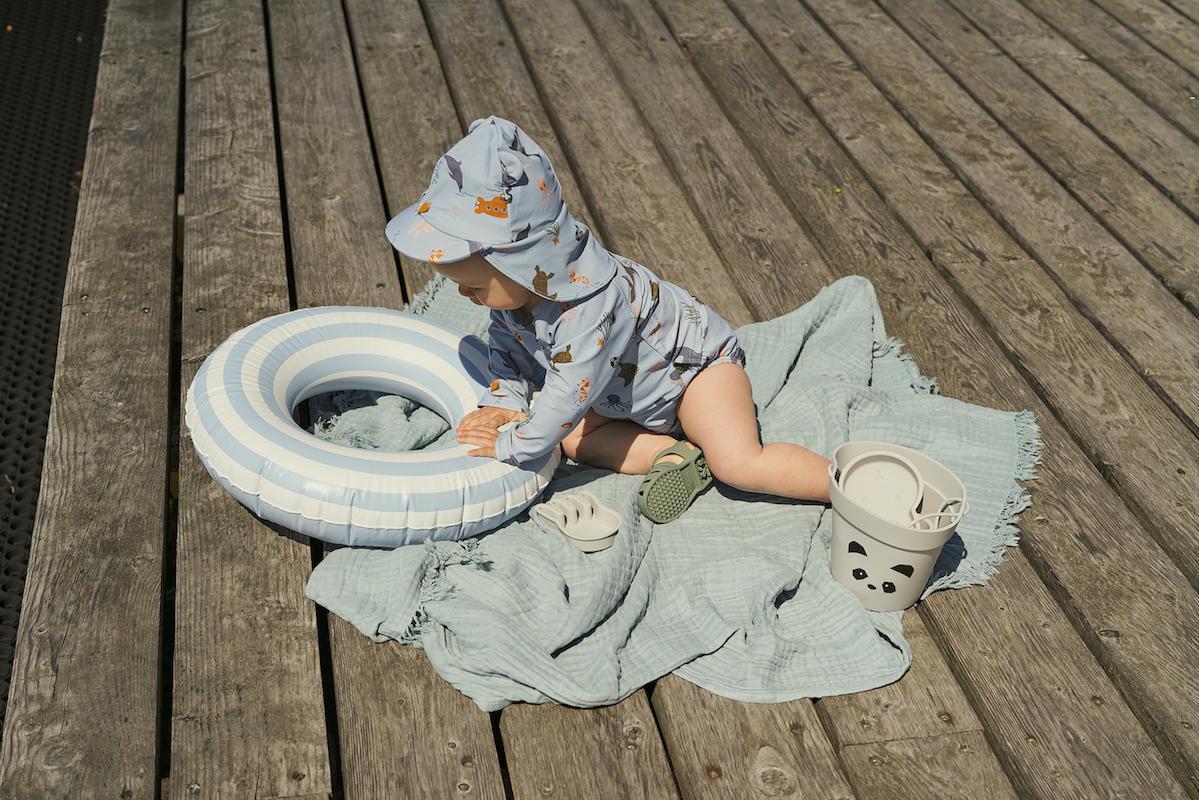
{"x": 409, "y": 233}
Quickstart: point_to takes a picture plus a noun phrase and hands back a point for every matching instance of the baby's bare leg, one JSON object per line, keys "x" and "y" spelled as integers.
{"x": 717, "y": 413}
{"x": 616, "y": 444}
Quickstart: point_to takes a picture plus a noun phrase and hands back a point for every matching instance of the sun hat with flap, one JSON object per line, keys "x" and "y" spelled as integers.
{"x": 495, "y": 193}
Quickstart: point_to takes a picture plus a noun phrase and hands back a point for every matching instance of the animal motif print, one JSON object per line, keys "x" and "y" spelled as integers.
{"x": 577, "y": 278}
{"x": 860, "y": 574}
{"x": 625, "y": 369}
{"x": 436, "y": 255}
{"x": 495, "y": 385}
{"x": 552, "y": 229}
{"x": 563, "y": 357}
{"x": 541, "y": 282}
{"x": 614, "y": 402}
{"x": 495, "y": 207}
{"x": 423, "y": 208}
{"x": 584, "y": 387}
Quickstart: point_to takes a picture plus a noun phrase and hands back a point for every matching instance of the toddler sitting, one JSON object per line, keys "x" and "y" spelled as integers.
{"x": 630, "y": 361}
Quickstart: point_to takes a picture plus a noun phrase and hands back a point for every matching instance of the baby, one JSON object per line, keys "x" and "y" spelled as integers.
{"x": 630, "y": 361}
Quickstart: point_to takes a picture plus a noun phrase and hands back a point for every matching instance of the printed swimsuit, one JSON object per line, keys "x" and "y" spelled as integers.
{"x": 627, "y": 351}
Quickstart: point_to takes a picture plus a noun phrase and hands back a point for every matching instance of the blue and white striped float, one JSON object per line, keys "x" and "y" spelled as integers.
{"x": 239, "y": 406}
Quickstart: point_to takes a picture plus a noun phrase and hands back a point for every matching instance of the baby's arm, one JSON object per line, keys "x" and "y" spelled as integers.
{"x": 571, "y": 385}
{"x": 510, "y": 364}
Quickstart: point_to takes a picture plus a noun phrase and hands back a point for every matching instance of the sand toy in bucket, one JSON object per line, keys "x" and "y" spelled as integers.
{"x": 893, "y": 510}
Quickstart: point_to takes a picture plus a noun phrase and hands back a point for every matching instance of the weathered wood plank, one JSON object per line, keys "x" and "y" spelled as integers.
{"x": 926, "y": 704}
{"x": 1110, "y": 188}
{"x": 413, "y": 127}
{"x": 487, "y": 74}
{"x": 1162, "y": 83}
{"x": 559, "y": 752}
{"x": 86, "y": 660}
{"x": 1128, "y": 431}
{"x": 1101, "y": 276}
{"x": 248, "y": 716}
{"x": 760, "y": 751}
{"x": 1161, "y": 26}
{"x": 404, "y": 731}
{"x": 1150, "y": 141}
{"x": 947, "y": 342}
{"x": 925, "y": 767}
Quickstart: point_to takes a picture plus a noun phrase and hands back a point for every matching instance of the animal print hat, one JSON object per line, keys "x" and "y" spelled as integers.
{"x": 495, "y": 193}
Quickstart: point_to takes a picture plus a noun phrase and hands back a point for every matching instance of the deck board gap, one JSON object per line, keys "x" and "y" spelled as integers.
{"x": 1115, "y": 73}
{"x": 166, "y": 607}
{"x": 288, "y": 257}
{"x": 1146, "y": 40}
{"x": 982, "y": 199}
{"x": 406, "y": 291}
{"x": 1082, "y": 118}
{"x": 904, "y": 25}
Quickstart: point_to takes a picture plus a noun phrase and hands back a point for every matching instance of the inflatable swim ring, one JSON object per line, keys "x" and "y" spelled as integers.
{"x": 239, "y": 413}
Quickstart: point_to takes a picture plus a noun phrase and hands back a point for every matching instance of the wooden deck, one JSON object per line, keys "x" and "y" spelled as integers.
{"x": 1018, "y": 178}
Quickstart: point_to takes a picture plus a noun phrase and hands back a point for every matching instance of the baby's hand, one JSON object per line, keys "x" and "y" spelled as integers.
{"x": 482, "y": 428}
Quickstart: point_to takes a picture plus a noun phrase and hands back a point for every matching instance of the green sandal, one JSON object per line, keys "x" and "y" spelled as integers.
{"x": 669, "y": 488}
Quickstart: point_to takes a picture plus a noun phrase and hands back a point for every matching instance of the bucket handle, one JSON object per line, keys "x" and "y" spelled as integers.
{"x": 918, "y": 522}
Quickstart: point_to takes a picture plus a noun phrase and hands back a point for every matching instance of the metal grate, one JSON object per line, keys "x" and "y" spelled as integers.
{"x": 49, "y": 52}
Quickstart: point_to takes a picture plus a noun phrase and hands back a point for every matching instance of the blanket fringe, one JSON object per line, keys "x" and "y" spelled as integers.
{"x": 420, "y": 304}
{"x": 924, "y": 384}
{"x": 1007, "y": 530}
{"x": 434, "y": 583}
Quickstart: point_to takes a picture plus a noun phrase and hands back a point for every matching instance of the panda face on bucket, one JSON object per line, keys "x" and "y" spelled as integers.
{"x": 860, "y": 574}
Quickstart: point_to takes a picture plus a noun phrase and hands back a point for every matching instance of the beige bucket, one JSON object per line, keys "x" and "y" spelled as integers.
{"x": 884, "y": 562}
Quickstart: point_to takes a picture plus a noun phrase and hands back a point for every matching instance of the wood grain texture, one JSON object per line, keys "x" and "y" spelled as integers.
{"x": 248, "y": 717}
{"x": 411, "y": 114}
{"x": 925, "y": 705}
{"x": 1101, "y": 276}
{"x": 761, "y": 750}
{"x": 589, "y": 754}
{"x": 1108, "y": 186}
{"x": 1128, "y": 430}
{"x": 1148, "y": 139}
{"x": 919, "y": 310}
{"x": 925, "y": 767}
{"x": 1156, "y": 79}
{"x": 404, "y": 732}
{"x": 83, "y": 698}
{"x": 785, "y": 251}
{"x": 1161, "y": 26}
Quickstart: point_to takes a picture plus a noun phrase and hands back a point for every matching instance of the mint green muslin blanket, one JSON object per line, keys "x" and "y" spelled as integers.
{"x": 736, "y": 594}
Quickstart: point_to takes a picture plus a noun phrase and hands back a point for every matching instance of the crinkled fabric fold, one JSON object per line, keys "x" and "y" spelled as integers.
{"x": 736, "y": 594}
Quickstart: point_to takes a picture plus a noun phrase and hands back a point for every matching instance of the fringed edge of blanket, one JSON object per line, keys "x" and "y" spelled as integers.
{"x": 434, "y": 583}
{"x": 1007, "y": 530}
{"x": 420, "y": 304}
{"x": 924, "y": 384}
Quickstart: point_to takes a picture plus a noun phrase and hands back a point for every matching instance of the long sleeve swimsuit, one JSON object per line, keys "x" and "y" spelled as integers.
{"x": 628, "y": 351}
